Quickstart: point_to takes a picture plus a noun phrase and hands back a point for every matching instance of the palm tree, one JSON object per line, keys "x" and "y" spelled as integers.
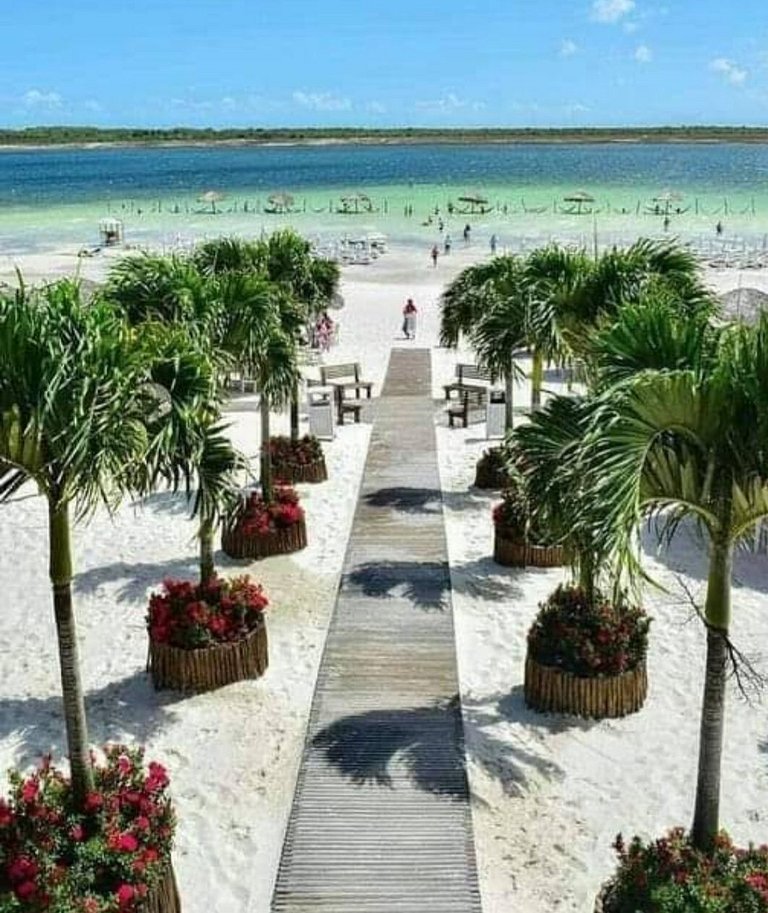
{"x": 308, "y": 283}
{"x": 685, "y": 436}
{"x": 83, "y": 416}
{"x": 487, "y": 304}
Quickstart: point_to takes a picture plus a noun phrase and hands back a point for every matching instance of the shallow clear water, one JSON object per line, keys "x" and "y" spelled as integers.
{"x": 55, "y": 197}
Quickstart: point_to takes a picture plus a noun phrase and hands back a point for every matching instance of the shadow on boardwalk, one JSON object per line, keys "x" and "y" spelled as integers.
{"x": 407, "y": 500}
{"x": 428, "y": 585}
{"x": 364, "y": 746}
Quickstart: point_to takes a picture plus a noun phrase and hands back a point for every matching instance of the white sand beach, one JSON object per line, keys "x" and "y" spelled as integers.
{"x": 549, "y": 794}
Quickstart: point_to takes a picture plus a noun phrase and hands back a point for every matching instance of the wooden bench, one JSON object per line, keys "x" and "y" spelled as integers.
{"x": 466, "y": 373}
{"x": 342, "y": 378}
{"x": 460, "y": 408}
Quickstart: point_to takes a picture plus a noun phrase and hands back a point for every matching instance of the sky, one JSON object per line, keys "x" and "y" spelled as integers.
{"x": 270, "y": 63}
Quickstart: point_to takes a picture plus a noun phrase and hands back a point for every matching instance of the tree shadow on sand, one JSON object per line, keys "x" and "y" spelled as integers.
{"x": 128, "y": 709}
{"x": 428, "y": 584}
{"x": 407, "y": 500}
{"x": 137, "y": 577}
{"x": 687, "y": 554}
{"x": 426, "y": 745}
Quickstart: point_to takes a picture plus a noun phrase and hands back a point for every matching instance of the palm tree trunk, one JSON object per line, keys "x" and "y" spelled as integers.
{"x": 537, "y": 379}
{"x": 266, "y": 457}
{"x": 60, "y": 570}
{"x": 509, "y": 391}
{"x": 295, "y": 414}
{"x": 706, "y": 819}
{"x": 207, "y": 566}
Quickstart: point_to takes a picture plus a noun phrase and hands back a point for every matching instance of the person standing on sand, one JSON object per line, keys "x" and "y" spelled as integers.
{"x": 409, "y": 319}
{"x": 435, "y": 254}
{"x": 719, "y": 228}
{"x": 467, "y": 230}
{"x": 447, "y": 244}
{"x": 494, "y": 242}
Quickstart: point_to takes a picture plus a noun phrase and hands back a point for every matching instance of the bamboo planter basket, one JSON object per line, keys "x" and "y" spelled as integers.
{"x": 511, "y": 553}
{"x": 210, "y": 667}
{"x": 602, "y": 899}
{"x": 551, "y": 690}
{"x": 313, "y": 472}
{"x": 280, "y": 542}
{"x": 164, "y": 898}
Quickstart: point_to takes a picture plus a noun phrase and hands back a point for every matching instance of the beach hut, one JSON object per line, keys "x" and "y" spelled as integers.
{"x": 212, "y": 197}
{"x": 578, "y": 199}
{"x": 110, "y": 232}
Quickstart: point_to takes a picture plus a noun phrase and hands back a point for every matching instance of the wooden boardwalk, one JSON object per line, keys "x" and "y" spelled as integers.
{"x": 381, "y": 820}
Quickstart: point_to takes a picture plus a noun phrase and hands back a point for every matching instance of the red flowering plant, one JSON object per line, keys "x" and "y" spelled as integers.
{"x": 285, "y": 452}
{"x": 192, "y": 616}
{"x": 513, "y": 519}
{"x": 258, "y": 517}
{"x": 669, "y": 875}
{"x": 588, "y": 637}
{"x": 55, "y": 858}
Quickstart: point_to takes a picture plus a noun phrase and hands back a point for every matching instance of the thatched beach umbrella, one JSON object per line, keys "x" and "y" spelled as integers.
{"x": 745, "y": 304}
{"x": 579, "y": 197}
{"x": 279, "y": 202}
{"x": 474, "y": 200}
{"x": 665, "y": 199}
{"x": 211, "y": 196}
{"x": 356, "y": 202}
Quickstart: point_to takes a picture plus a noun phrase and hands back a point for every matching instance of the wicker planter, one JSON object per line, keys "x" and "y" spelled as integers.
{"x": 552, "y": 690}
{"x": 315, "y": 471}
{"x": 209, "y": 667}
{"x": 280, "y": 542}
{"x": 488, "y": 475}
{"x": 520, "y": 554}
{"x": 165, "y": 897}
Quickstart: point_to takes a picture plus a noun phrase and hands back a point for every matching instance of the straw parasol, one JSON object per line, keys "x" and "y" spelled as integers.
{"x": 579, "y": 197}
{"x": 211, "y": 196}
{"x": 356, "y": 202}
{"x": 279, "y": 202}
{"x": 666, "y": 198}
{"x": 474, "y": 200}
{"x": 745, "y": 304}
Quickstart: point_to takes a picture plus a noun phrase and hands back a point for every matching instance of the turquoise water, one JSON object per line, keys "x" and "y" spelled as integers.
{"x": 56, "y": 197}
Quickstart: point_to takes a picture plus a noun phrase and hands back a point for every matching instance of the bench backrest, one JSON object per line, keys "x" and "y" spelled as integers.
{"x": 471, "y": 372}
{"x": 336, "y": 372}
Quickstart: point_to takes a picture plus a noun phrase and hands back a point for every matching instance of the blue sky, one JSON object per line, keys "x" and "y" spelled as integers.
{"x": 391, "y": 62}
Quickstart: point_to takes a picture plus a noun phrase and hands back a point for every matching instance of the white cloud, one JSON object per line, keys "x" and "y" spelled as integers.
{"x": 611, "y": 10}
{"x": 730, "y": 71}
{"x": 321, "y": 101}
{"x": 630, "y": 27}
{"x": 449, "y": 102}
{"x": 228, "y": 103}
{"x": 91, "y": 104}
{"x": 376, "y": 107}
{"x": 568, "y": 48}
{"x": 643, "y": 54}
{"x": 37, "y": 99}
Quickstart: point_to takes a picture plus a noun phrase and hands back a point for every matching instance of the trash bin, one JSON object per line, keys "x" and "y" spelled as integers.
{"x": 495, "y": 413}
{"x": 320, "y": 407}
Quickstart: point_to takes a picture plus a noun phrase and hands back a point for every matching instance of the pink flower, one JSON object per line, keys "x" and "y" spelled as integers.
{"x": 26, "y": 890}
{"x": 125, "y": 765}
{"x": 29, "y": 790}
{"x": 77, "y": 833}
{"x": 125, "y": 894}
{"x": 127, "y": 843}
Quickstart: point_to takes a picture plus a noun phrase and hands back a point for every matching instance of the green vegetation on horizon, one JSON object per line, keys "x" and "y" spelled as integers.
{"x": 64, "y": 135}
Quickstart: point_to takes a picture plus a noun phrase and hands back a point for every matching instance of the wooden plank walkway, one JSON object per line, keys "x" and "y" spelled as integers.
{"x": 381, "y": 820}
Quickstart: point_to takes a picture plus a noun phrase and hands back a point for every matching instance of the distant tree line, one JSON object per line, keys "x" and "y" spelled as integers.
{"x": 63, "y": 135}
